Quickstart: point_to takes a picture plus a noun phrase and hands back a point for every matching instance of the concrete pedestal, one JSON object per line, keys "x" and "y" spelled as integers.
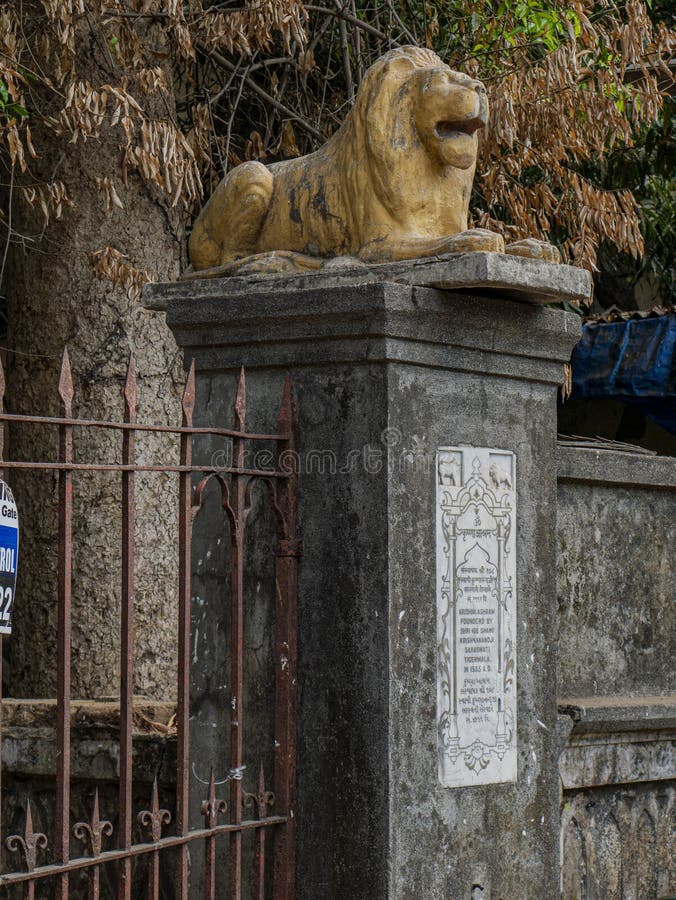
{"x": 384, "y": 374}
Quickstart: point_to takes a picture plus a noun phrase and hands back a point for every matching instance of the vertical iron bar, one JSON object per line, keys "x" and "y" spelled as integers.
{"x": 154, "y": 876}
{"x": 98, "y": 829}
{"x": 210, "y": 843}
{"x": 286, "y": 576}
{"x": 210, "y": 868}
{"x": 155, "y": 821}
{"x": 184, "y": 572}
{"x": 259, "y": 860}
{"x": 94, "y": 883}
{"x": 127, "y": 635}
{"x": 211, "y": 808}
{"x": 237, "y": 640}
{"x": 62, "y": 841}
{"x": 261, "y": 799}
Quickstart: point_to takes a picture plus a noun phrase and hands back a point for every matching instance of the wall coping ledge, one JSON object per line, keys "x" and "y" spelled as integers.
{"x": 592, "y": 465}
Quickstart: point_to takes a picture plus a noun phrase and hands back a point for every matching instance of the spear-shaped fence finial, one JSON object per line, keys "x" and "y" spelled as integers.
{"x": 92, "y": 832}
{"x": 262, "y": 798}
{"x": 66, "y": 385}
{"x": 130, "y": 391}
{"x": 30, "y": 843}
{"x": 154, "y": 818}
{"x": 212, "y": 806}
{"x": 240, "y": 402}
{"x": 188, "y": 399}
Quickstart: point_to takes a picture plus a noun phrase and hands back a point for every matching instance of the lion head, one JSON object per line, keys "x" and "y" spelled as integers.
{"x": 448, "y": 111}
{"x": 413, "y": 139}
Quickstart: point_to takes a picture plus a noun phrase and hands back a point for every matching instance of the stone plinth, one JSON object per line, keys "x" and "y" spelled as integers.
{"x": 384, "y": 375}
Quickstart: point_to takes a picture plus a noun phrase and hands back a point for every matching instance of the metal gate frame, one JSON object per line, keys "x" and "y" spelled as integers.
{"x": 236, "y": 484}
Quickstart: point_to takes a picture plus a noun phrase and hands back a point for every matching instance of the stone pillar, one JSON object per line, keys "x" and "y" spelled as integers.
{"x": 384, "y": 374}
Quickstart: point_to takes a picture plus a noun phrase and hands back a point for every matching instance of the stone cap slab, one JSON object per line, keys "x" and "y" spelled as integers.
{"x": 478, "y": 273}
{"x": 369, "y": 323}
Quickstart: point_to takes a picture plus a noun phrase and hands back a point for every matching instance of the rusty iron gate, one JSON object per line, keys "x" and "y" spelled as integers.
{"x": 46, "y": 859}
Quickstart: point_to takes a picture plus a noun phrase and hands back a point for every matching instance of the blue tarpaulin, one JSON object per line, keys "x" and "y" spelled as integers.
{"x": 632, "y": 361}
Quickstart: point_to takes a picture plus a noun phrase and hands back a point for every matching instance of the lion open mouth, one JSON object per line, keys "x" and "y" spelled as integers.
{"x": 446, "y": 130}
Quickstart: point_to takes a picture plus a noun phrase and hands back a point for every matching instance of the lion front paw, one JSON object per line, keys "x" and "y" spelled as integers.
{"x": 476, "y": 239}
{"x": 534, "y": 249}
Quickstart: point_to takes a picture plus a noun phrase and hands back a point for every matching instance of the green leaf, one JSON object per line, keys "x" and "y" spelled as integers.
{"x": 29, "y": 76}
{"x": 16, "y": 109}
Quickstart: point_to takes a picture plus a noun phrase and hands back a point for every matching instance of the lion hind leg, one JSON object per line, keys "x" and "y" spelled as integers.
{"x": 231, "y": 222}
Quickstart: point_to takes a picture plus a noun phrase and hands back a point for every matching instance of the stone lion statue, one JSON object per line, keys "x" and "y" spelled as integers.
{"x": 393, "y": 183}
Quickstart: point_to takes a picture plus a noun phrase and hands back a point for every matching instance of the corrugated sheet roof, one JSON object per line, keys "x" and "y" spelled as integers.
{"x": 615, "y": 314}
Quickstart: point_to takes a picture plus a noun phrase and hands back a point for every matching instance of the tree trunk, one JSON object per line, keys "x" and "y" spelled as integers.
{"x": 54, "y": 300}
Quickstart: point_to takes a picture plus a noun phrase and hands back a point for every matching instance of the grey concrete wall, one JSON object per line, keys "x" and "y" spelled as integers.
{"x": 616, "y": 575}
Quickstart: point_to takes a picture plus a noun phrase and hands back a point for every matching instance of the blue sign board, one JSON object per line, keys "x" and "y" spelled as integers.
{"x": 9, "y": 556}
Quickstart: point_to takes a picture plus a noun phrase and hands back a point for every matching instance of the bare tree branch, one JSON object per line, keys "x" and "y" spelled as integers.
{"x": 353, "y": 20}
{"x": 264, "y": 95}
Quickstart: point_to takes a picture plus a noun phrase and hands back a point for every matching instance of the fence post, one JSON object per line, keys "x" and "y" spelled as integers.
{"x": 286, "y": 653}
{"x": 62, "y": 839}
{"x": 127, "y": 633}
{"x": 184, "y": 594}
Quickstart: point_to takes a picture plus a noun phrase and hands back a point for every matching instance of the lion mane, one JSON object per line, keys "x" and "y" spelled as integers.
{"x": 402, "y": 187}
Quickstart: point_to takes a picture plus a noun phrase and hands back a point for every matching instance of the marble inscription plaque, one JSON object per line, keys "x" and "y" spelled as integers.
{"x": 476, "y": 615}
